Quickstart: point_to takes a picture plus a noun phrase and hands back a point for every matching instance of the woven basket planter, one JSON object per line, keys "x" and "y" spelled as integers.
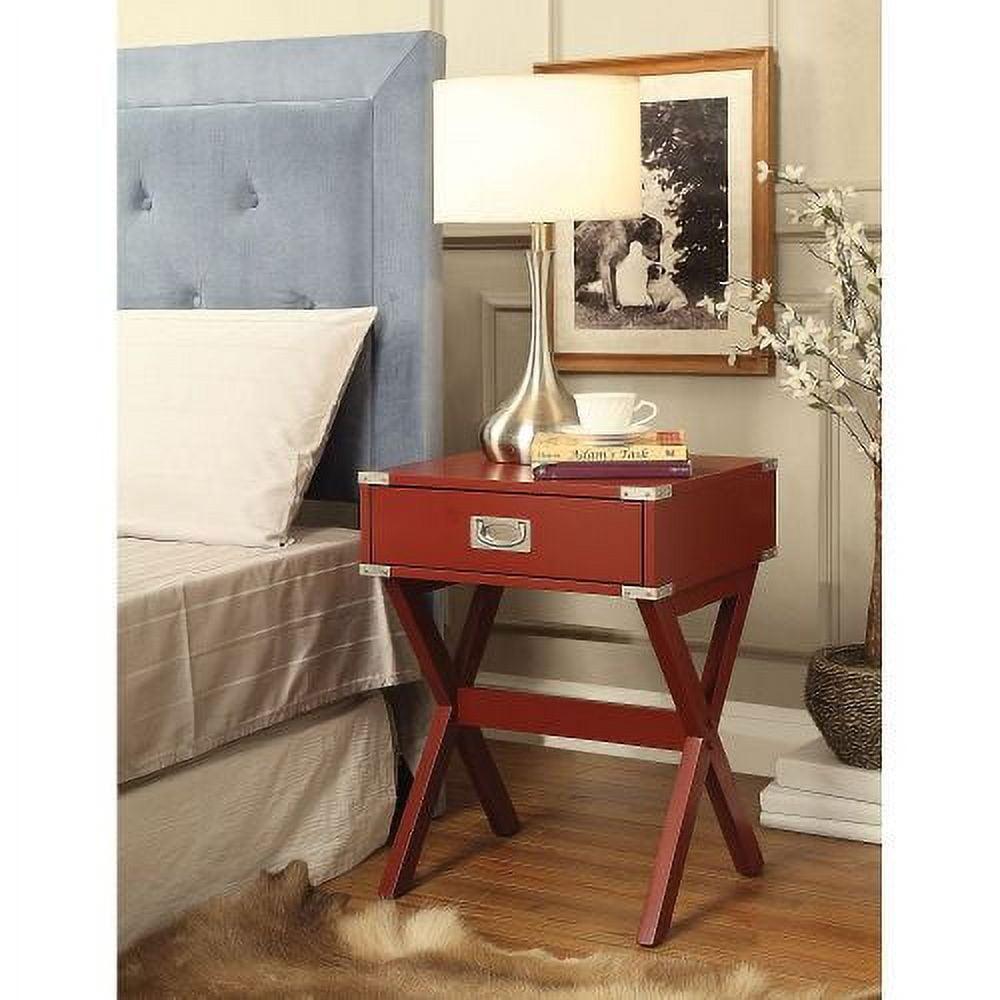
{"x": 844, "y": 698}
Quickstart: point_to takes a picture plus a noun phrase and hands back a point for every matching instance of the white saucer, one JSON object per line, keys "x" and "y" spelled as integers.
{"x": 607, "y": 437}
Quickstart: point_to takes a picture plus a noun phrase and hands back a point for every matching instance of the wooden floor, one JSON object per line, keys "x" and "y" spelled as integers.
{"x": 573, "y": 879}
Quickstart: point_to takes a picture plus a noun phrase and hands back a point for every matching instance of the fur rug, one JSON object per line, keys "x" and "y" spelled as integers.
{"x": 281, "y": 937}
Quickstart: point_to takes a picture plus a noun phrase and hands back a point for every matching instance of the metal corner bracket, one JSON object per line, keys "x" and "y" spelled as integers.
{"x": 374, "y": 478}
{"x": 647, "y": 593}
{"x": 769, "y": 465}
{"x": 769, "y": 553}
{"x": 646, "y": 492}
{"x": 374, "y": 569}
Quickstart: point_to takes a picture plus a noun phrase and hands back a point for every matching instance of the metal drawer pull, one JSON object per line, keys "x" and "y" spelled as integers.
{"x": 509, "y": 534}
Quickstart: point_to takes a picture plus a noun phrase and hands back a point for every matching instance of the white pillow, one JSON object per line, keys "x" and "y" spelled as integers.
{"x": 223, "y": 415}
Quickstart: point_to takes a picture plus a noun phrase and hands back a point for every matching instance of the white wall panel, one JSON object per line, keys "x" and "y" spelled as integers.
{"x": 829, "y": 66}
{"x": 161, "y": 22}
{"x": 593, "y": 28}
{"x": 486, "y": 37}
{"x": 467, "y": 276}
{"x": 856, "y": 541}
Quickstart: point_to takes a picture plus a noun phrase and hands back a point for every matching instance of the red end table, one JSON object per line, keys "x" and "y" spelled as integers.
{"x": 671, "y": 545}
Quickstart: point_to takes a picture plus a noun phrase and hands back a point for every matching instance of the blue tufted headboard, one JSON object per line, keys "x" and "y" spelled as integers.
{"x": 295, "y": 173}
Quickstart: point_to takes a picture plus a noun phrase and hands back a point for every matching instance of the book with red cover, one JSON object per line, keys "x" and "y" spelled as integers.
{"x": 612, "y": 470}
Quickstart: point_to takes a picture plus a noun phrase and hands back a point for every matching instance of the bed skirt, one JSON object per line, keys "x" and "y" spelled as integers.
{"x": 320, "y": 788}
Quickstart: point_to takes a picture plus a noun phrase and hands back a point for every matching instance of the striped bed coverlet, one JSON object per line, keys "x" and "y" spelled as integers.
{"x": 219, "y": 641}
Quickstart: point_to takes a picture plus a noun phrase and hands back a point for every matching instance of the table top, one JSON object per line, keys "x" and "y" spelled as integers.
{"x": 472, "y": 471}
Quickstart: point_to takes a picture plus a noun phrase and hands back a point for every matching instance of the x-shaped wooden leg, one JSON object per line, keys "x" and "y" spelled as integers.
{"x": 703, "y": 759}
{"x": 444, "y": 677}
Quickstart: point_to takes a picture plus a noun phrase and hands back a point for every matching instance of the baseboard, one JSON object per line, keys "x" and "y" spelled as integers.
{"x": 754, "y": 735}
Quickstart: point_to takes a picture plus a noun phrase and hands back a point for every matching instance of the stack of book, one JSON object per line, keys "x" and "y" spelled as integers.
{"x": 656, "y": 454}
{"x": 813, "y": 792}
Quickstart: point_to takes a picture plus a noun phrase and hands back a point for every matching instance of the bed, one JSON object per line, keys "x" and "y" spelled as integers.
{"x": 265, "y": 693}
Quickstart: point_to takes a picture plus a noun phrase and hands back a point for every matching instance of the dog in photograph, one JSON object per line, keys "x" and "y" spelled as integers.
{"x": 664, "y": 295}
{"x": 602, "y": 246}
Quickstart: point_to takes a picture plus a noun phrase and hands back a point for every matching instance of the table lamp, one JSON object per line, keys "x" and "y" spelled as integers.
{"x": 538, "y": 149}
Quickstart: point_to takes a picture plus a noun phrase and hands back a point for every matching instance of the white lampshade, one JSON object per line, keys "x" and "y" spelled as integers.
{"x": 543, "y": 148}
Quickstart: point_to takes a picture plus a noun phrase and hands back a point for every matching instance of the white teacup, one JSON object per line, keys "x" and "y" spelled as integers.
{"x": 608, "y": 412}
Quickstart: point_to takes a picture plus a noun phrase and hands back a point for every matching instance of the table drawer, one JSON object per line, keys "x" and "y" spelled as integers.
{"x": 556, "y": 537}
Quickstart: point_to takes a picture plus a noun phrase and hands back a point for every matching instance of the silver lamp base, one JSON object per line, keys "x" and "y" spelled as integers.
{"x": 540, "y": 402}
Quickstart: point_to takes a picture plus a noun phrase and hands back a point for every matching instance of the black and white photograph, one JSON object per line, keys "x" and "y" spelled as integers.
{"x": 653, "y": 271}
{"x": 634, "y": 294}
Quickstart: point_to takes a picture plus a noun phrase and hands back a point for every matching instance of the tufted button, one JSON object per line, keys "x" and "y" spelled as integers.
{"x": 306, "y": 303}
{"x": 196, "y": 300}
{"x": 254, "y": 199}
{"x": 146, "y": 203}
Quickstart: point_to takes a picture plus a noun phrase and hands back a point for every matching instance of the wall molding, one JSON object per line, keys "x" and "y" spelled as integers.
{"x": 754, "y": 735}
{"x": 829, "y": 583}
{"x": 831, "y": 577}
{"x": 538, "y": 629}
{"x": 435, "y": 16}
{"x": 517, "y": 241}
{"x": 553, "y": 41}
{"x": 867, "y": 207}
{"x": 487, "y": 241}
{"x": 521, "y": 241}
{"x": 492, "y": 304}
{"x": 808, "y": 234}
{"x": 869, "y": 196}
{"x": 866, "y": 185}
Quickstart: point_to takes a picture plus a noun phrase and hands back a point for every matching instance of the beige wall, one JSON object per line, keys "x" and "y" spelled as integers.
{"x": 828, "y": 119}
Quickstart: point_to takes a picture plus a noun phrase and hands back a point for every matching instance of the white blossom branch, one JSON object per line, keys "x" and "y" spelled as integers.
{"x": 850, "y": 349}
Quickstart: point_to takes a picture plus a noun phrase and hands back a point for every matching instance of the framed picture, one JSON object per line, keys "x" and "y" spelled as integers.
{"x": 627, "y": 292}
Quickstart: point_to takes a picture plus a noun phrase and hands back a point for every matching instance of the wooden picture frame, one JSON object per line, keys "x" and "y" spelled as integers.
{"x": 760, "y": 240}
